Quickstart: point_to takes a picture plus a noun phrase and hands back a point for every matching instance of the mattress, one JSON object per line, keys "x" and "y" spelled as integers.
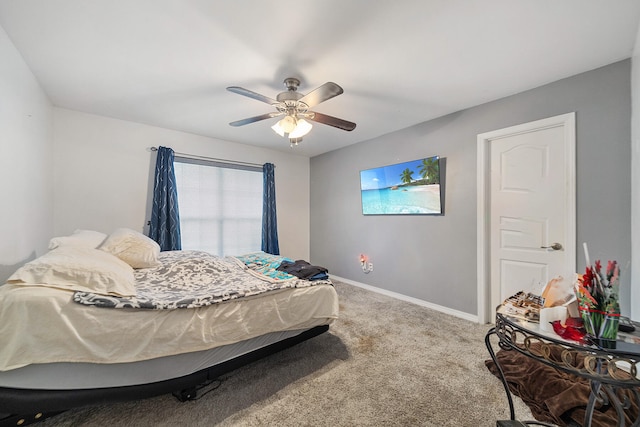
{"x": 42, "y": 325}
{"x": 72, "y": 376}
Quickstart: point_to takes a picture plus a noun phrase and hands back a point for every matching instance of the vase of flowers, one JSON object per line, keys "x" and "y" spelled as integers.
{"x": 597, "y": 295}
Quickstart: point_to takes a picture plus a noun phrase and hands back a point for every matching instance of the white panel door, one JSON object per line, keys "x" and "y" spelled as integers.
{"x": 531, "y": 219}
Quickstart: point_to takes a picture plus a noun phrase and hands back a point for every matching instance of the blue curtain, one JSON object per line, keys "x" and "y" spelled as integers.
{"x": 269, "y": 222}
{"x": 165, "y": 219}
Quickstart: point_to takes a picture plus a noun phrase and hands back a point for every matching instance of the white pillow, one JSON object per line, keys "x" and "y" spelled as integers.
{"x": 132, "y": 247}
{"x": 78, "y": 269}
{"x": 83, "y": 238}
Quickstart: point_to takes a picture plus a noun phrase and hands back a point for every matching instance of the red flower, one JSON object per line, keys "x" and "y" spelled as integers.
{"x": 587, "y": 278}
{"x": 612, "y": 271}
{"x": 610, "y": 266}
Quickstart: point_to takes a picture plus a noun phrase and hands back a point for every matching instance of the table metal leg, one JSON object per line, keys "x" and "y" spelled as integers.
{"x": 487, "y": 341}
{"x": 588, "y": 415}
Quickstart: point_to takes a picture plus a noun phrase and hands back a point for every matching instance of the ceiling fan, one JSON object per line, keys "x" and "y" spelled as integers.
{"x": 295, "y": 107}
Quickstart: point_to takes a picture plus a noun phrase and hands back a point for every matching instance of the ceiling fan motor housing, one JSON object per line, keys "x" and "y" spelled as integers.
{"x": 289, "y": 100}
{"x": 292, "y": 93}
{"x": 289, "y": 96}
{"x": 291, "y": 83}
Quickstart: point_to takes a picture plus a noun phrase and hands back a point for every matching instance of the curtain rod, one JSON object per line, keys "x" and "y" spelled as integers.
{"x": 197, "y": 157}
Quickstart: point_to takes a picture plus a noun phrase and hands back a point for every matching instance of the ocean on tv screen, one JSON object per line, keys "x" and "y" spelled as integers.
{"x": 397, "y": 200}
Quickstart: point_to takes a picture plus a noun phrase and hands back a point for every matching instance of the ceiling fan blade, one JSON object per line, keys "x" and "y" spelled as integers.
{"x": 321, "y": 94}
{"x": 331, "y": 121}
{"x": 251, "y": 94}
{"x": 255, "y": 119}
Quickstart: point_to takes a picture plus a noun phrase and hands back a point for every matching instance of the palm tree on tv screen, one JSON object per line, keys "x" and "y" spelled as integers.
{"x": 429, "y": 170}
{"x": 406, "y": 176}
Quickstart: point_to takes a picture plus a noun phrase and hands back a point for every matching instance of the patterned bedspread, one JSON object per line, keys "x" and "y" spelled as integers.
{"x": 189, "y": 279}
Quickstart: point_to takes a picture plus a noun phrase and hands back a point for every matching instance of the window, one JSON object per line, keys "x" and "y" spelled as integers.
{"x": 220, "y": 206}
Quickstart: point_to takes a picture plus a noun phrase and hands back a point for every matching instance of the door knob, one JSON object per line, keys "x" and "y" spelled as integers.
{"x": 556, "y": 246}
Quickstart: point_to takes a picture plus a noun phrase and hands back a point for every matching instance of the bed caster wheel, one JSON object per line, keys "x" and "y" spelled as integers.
{"x": 186, "y": 394}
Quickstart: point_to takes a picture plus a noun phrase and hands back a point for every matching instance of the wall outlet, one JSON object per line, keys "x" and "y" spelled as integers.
{"x": 367, "y": 267}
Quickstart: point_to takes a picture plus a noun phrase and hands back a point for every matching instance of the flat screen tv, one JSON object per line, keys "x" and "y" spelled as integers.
{"x": 409, "y": 188}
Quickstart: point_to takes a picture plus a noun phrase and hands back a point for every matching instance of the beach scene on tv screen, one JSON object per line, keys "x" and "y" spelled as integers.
{"x": 404, "y": 188}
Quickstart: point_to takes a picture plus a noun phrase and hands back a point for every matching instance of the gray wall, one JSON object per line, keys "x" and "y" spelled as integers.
{"x": 433, "y": 258}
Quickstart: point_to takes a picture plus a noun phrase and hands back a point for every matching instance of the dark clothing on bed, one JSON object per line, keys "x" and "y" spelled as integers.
{"x": 303, "y": 270}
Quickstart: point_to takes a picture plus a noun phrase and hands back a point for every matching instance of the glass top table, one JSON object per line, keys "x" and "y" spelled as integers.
{"x": 606, "y": 369}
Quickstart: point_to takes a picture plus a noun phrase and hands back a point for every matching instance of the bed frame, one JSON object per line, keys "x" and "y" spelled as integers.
{"x": 19, "y": 407}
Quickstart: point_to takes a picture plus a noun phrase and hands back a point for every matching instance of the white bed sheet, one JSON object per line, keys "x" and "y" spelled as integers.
{"x": 44, "y": 325}
{"x": 73, "y": 376}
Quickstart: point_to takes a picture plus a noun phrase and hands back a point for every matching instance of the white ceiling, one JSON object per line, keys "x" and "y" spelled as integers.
{"x": 167, "y": 62}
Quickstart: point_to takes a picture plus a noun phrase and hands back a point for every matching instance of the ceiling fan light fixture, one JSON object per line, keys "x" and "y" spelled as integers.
{"x": 288, "y": 124}
{"x": 302, "y": 128}
{"x": 278, "y": 129}
{"x": 292, "y": 128}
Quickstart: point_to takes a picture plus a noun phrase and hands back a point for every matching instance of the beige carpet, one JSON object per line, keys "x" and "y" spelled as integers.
{"x": 383, "y": 363}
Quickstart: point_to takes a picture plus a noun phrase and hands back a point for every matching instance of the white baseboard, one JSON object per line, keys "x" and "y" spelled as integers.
{"x": 440, "y": 308}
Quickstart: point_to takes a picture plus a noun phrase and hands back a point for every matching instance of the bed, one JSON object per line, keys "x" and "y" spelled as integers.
{"x": 102, "y": 319}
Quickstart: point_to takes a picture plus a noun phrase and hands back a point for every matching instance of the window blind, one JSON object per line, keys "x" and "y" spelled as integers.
{"x": 220, "y": 206}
